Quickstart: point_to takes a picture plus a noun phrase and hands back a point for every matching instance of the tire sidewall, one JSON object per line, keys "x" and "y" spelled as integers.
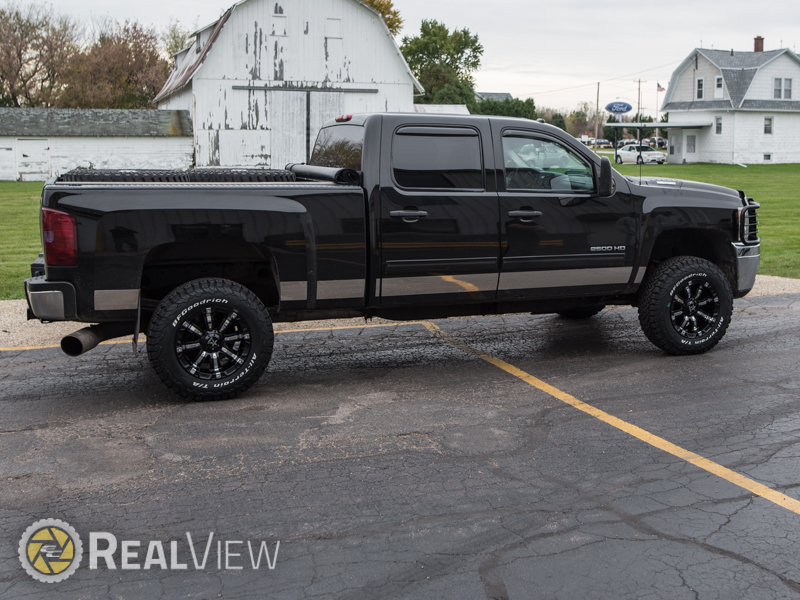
{"x": 713, "y": 336}
{"x": 173, "y": 314}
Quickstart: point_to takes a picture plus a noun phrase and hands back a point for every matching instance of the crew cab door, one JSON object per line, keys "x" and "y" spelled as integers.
{"x": 438, "y": 226}
{"x": 558, "y": 237}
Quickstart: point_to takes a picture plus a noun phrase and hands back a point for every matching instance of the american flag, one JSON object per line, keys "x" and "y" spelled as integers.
{"x": 659, "y": 88}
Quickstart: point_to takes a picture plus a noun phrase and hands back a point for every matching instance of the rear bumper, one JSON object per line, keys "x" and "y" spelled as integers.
{"x": 50, "y": 300}
{"x": 747, "y": 259}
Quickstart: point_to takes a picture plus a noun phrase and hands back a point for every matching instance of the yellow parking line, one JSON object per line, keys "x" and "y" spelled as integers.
{"x": 733, "y": 477}
{"x": 142, "y": 338}
{"x": 464, "y": 284}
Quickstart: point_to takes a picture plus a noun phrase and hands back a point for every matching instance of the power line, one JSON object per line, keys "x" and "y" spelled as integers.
{"x": 574, "y": 87}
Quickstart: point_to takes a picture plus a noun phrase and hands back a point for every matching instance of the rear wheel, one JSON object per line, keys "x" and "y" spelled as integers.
{"x": 639, "y": 160}
{"x": 582, "y": 312}
{"x": 210, "y": 339}
{"x": 685, "y": 306}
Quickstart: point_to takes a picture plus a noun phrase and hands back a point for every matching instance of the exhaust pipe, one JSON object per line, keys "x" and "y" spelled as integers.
{"x": 87, "y": 338}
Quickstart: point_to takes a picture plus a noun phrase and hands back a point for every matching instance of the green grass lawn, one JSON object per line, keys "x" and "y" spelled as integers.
{"x": 19, "y": 235}
{"x": 775, "y": 187}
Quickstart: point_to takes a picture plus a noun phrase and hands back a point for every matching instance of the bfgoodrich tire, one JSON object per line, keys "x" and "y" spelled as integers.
{"x": 685, "y": 306}
{"x": 210, "y": 339}
{"x": 583, "y": 312}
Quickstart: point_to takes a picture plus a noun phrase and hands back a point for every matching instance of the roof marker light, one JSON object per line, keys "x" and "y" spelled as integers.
{"x": 343, "y": 118}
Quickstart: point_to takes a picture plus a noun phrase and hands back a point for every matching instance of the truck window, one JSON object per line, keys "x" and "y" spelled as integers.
{"x": 538, "y": 164}
{"x": 448, "y": 160}
{"x": 339, "y": 147}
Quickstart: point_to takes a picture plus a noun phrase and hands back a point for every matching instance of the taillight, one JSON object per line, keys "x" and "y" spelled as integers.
{"x": 60, "y": 238}
{"x": 343, "y": 118}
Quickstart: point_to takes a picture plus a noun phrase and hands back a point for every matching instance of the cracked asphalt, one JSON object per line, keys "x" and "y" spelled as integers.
{"x": 391, "y": 464}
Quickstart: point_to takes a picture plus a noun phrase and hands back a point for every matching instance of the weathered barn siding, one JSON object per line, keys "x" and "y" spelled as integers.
{"x": 66, "y": 153}
{"x": 36, "y": 143}
{"x": 297, "y": 45}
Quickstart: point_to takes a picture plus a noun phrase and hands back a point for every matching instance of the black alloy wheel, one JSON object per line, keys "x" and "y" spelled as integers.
{"x": 685, "y": 305}
{"x": 694, "y": 308}
{"x": 210, "y": 339}
{"x": 212, "y": 342}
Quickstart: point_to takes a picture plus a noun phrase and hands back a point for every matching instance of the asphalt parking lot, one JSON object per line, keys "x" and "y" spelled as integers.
{"x": 427, "y": 461}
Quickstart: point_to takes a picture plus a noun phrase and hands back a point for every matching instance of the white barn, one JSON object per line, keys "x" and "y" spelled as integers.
{"x": 36, "y": 143}
{"x": 261, "y": 80}
{"x": 735, "y": 107}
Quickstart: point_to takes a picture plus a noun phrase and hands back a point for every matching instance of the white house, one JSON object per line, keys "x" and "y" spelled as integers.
{"x": 36, "y": 143}
{"x": 262, "y": 79}
{"x": 735, "y": 107}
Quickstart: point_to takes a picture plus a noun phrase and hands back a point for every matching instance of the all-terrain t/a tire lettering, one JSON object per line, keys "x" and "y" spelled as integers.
{"x": 685, "y": 306}
{"x": 210, "y": 339}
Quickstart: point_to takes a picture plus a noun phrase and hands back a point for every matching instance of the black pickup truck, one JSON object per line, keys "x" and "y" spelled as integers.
{"x": 401, "y": 216}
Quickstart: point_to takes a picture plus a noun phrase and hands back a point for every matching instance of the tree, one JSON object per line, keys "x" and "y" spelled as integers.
{"x": 558, "y": 121}
{"x": 36, "y": 48}
{"x": 577, "y": 123}
{"x": 443, "y": 86}
{"x": 391, "y": 16}
{"x": 175, "y": 37}
{"x": 610, "y": 133}
{"x": 122, "y": 69}
{"x": 525, "y": 109}
{"x": 665, "y": 119}
{"x": 646, "y": 133}
{"x": 444, "y": 62}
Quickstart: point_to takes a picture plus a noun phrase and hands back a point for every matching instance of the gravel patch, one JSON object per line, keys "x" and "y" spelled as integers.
{"x": 16, "y": 331}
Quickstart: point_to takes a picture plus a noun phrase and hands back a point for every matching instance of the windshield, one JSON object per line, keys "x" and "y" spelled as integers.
{"x": 339, "y": 146}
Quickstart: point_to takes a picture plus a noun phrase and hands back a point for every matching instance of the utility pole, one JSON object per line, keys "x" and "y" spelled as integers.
{"x": 639, "y": 97}
{"x": 597, "y": 117}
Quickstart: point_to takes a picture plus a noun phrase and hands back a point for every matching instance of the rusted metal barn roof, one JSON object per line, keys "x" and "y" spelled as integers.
{"x": 78, "y": 122}
{"x": 193, "y": 60}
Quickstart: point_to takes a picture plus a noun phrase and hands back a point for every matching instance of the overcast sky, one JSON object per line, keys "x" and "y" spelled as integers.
{"x": 536, "y": 48}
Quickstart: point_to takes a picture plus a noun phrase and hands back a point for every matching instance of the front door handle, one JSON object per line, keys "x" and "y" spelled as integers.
{"x": 409, "y": 216}
{"x": 526, "y": 216}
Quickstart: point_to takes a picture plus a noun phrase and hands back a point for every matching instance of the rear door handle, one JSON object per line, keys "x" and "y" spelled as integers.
{"x": 402, "y": 214}
{"x": 524, "y": 214}
{"x": 408, "y": 216}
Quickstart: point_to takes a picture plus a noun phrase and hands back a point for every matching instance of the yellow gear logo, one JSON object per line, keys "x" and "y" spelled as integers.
{"x": 50, "y": 550}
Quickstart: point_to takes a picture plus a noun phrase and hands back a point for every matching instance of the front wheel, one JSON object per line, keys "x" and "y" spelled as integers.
{"x": 639, "y": 160}
{"x": 210, "y": 339}
{"x": 618, "y": 160}
{"x": 685, "y": 305}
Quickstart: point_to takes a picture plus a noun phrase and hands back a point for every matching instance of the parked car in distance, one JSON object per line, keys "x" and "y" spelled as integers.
{"x": 639, "y": 154}
{"x": 604, "y": 144}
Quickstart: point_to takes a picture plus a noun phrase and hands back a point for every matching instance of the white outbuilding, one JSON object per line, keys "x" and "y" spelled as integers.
{"x": 728, "y": 106}
{"x": 36, "y": 143}
{"x": 261, "y": 80}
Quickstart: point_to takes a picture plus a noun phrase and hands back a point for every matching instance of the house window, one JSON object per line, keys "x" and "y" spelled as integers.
{"x": 690, "y": 143}
{"x": 768, "y": 125}
{"x": 787, "y": 89}
{"x": 699, "y": 94}
{"x": 718, "y": 88}
{"x": 768, "y": 157}
{"x": 718, "y": 123}
{"x": 777, "y": 95}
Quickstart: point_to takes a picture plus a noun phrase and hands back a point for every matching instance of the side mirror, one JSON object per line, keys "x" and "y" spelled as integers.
{"x": 605, "y": 184}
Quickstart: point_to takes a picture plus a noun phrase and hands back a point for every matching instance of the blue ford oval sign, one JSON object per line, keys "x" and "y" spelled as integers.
{"x": 619, "y": 108}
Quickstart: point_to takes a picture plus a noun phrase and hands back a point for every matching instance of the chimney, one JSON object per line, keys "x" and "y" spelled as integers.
{"x": 759, "y": 44}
